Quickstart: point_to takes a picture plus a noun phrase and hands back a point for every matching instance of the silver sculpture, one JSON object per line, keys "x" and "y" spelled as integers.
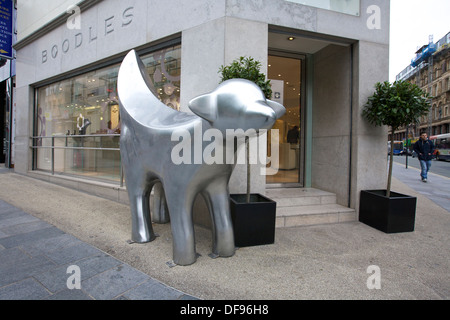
{"x": 146, "y": 147}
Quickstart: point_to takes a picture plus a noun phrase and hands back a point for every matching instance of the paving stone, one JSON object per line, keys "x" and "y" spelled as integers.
{"x": 10, "y": 210}
{"x": 4, "y": 207}
{"x": 23, "y": 268}
{"x": 30, "y": 237}
{"x": 113, "y": 283}
{"x": 45, "y": 246}
{"x": 188, "y": 297}
{"x": 97, "y": 264}
{"x": 34, "y": 257}
{"x": 55, "y": 280}
{"x": 5, "y": 224}
{"x": 9, "y": 257}
{"x": 16, "y": 213}
{"x": 26, "y": 227}
{"x": 27, "y": 289}
{"x": 70, "y": 295}
{"x": 153, "y": 290}
{"x": 73, "y": 253}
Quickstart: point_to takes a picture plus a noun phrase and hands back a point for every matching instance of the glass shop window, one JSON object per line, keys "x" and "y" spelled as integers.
{"x": 79, "y": 120}
{"x": 88, "y": 104}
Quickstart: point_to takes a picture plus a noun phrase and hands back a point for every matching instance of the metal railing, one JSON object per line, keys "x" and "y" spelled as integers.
{"x": 79, "y": 146}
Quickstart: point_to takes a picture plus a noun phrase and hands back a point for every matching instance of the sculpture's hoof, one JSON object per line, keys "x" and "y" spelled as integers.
{"x": 186, "y": 260}
{"x": 213, "y": 255}
{"x": 142, "y": 240}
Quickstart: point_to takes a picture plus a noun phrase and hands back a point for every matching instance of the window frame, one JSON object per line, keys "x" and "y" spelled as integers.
{"x": 84, "y": 70}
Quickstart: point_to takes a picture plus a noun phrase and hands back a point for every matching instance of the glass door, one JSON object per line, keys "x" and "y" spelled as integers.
{"x": 286, "y": 75}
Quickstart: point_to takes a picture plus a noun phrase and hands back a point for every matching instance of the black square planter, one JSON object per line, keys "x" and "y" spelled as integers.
{"x": 390, "y": 215}
{"x": 253, "y": 222}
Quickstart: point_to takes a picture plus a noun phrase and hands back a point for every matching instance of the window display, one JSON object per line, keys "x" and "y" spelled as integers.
{"x": 77, "y": 124}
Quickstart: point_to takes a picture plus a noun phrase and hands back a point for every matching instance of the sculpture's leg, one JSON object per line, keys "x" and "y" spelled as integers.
{"x": 217, "y": 200}
{"x": 180, "y": 208}
{"x": 160, "y": 212}
{"x": 141, "y": 224}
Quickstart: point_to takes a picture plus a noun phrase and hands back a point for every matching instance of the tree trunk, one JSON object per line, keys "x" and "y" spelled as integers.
{"x": 391, "y": 165}
{"x": 247, "y": 145}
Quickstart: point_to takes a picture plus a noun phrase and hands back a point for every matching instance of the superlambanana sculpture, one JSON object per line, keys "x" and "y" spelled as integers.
{"x": 147, "y": 147}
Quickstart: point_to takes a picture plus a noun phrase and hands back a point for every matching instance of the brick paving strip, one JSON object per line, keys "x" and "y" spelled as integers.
{"x": 35, "y": 257}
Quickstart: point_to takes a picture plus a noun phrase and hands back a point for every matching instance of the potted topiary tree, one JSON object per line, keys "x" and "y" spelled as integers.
{"x": 394, "y": 105}
{"x": 253, "y": 215}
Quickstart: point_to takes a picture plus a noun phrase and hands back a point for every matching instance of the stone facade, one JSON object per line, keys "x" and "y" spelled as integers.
{"x": 341, "y": 147}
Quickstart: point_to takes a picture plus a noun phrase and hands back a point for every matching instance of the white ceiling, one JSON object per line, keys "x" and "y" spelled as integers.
{"x": 307, "y": 44}
{"x": 299, "y": 44}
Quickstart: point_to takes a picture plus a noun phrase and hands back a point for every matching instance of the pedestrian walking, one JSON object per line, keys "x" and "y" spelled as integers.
{"x": 424, "y": 148}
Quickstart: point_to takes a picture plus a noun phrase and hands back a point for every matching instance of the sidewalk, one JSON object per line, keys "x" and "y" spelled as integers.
{"x": 35, "y": 257}
{"x": 436, "y": 189}
{"x": 45, "y": 228}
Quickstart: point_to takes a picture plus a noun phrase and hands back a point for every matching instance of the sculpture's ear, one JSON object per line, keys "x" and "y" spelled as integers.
{"x": 279, "y": 109}
{"x": 205, "y": 107}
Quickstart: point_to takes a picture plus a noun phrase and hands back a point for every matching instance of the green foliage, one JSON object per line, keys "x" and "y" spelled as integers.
{"x": 396, "y": 105}
{"x": 247, "y": 68}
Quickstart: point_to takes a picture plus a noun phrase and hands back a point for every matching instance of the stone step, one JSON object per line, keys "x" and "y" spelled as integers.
{"x": 312, "y": 215}
{"x": 308, "y": 206}
{"x": 290, "y": 197}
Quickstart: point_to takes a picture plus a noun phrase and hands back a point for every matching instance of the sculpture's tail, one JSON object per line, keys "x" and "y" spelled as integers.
{"x": 135, "y": 95}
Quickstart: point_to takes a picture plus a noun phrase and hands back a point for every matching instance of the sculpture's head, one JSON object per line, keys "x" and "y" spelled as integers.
{"x": 237, "y": 104}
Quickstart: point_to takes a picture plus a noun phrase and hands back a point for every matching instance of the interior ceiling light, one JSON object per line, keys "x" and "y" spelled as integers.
{"x": 291, "y": 38}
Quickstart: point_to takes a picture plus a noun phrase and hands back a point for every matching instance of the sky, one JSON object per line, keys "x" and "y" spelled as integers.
{"x": 412, "y": 22}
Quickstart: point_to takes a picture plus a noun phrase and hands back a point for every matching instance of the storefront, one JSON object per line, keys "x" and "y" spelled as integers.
{"x": 7, "y": 121}
{"x": 77, "y": 120}
{"x": 7, "y": 81}
{"x": 323, "y": 58}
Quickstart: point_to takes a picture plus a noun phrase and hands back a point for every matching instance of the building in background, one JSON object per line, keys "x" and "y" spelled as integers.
{"x": 324, "y": 58}
{"x": 430, "y": 70}
{"x": 8, "y": 36}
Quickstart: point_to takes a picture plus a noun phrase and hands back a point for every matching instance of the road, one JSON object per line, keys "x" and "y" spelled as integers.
{"x": 441, "y": 168}
{"x": 436, "y": 189}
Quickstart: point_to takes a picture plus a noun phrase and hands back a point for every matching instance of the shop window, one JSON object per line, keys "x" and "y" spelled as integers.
{"x": 77, "y": 122}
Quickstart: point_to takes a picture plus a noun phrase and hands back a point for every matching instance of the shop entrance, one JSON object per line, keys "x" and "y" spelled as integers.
{"x": 3, "y": 127}
{"x": 286, "y": 72}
